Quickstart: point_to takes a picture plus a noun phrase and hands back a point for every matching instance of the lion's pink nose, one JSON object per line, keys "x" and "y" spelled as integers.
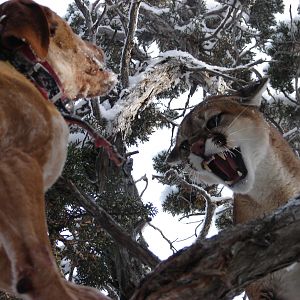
{"x": 198, "y": 147}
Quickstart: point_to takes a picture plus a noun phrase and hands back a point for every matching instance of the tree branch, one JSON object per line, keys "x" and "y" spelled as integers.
{"x": 87, "y": 16}
{"x": 158, "y": 77}
{"x": 164, "y": 237}
{"x": 220, "y": 267}
{"x": 210, "y": 206}
{"x": 129, "y": 43}
{"x": 113, "y": 228}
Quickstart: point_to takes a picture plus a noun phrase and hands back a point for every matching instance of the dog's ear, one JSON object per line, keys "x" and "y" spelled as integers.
{"x": 24, "y": 21}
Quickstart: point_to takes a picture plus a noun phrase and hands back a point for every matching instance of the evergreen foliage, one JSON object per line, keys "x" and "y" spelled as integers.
{"x": 284, "y": 51}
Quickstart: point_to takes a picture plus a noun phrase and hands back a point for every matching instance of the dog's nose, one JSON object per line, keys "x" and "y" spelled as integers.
{"x": 110, "y": 81}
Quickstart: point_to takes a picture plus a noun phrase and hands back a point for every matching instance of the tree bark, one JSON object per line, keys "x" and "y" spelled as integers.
{"x": 156, "y": 79}
{"x": 220, "y": 267}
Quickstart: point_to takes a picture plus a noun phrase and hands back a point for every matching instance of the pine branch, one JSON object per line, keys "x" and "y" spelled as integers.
{"x": 113, "y": 228}
{"x": 220, "y": 267}
{"x": 222, "y": 24}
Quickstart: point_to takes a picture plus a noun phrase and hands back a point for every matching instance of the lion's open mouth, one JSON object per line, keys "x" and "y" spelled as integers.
{"x": 228, "y": 165}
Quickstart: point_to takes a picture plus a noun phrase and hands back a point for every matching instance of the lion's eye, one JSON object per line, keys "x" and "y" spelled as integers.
{"x": 185, "y": 145}
{"x": 214, "y": 121}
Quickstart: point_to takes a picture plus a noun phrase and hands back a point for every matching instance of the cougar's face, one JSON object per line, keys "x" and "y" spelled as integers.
{"x": 223, "y": 141}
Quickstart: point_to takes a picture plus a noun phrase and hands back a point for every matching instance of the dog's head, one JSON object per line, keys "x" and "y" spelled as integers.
{"x": 78, "y": 64}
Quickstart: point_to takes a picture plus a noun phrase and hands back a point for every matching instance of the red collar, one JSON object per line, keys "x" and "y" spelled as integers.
{"x": 39, "y": 72}
{"x": 42, "y": 75}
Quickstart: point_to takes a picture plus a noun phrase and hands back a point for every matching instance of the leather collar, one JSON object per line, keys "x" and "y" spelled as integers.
{"x": 40, "y": 73}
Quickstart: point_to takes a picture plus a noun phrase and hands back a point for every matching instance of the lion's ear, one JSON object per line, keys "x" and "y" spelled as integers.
{"x": 24, "y": 21}
{"x": 252, "y": 94}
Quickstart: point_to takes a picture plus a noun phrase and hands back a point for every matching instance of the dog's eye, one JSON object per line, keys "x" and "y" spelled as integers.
{"x": 52, "y": 29}
{"x": 214, "y": 121}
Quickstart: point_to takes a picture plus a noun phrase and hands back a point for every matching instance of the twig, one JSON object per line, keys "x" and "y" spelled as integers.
{"x": 222, "y": 24}
{"x": 131, "y": 153}
{"x": 210, "y": 206}
{"x": 173, "y": 174}
{"x": 144, "y": 178}
{"x": 209, "y": 213}
{"x": 164, "y": 237}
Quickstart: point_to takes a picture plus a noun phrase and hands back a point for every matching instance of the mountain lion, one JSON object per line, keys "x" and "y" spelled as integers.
{"x": 225, "y": 140}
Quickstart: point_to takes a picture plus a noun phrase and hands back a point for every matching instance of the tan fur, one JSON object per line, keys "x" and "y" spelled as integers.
{"x": 273, "y": 170}
{"x": 33, "y": 144}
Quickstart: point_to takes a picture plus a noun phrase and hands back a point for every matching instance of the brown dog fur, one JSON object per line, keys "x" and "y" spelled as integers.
{"x": 33, "y": 143}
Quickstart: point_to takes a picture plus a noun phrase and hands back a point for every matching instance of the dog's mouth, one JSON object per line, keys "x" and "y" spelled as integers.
{"x": 228, "y": 165}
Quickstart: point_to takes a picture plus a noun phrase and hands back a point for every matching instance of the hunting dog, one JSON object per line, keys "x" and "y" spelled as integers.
{"x": 41, "y": 62}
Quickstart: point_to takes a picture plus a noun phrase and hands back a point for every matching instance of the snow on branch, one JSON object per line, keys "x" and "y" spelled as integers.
{"x": 160, "y": 75}
{"x": 220, "y": 267}
{"x": 225, "y": 22}
{"x": 87, "y": 15}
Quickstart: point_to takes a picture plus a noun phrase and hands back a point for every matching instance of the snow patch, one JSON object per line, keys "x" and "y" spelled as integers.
{"x": 167, "y": 191}
{"x": 155, "y": 10}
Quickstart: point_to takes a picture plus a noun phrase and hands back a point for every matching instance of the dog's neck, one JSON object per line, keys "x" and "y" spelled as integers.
{"x": 39, "y": 72}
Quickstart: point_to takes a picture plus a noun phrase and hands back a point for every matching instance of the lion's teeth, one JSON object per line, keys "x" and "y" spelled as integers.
{"x": 206, "y": 167}
{"x": 222, "y": 155}
{"x": 240, "y": 173}
{"x": 211, "y": 159}
{"x": 229, "y": 182}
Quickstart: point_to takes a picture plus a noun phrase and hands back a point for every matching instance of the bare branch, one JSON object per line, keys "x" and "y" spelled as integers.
{"x": 99, "y": 18}
{"x": 129, "y": 43}
{"x": 144, "y": 178}
{"x": 210, "y": 205}
{"x": 209, "y": 213}
{"x": 222, "y": 24}
{"x": 160, "y": 77}
{"x": 172, "y": 174}
{"x": 156, "y": 79}
{"x": 164, "y": 237}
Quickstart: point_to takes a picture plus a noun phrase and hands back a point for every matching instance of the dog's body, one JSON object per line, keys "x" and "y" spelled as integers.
{"x": 225, "y": 140}
{"x": 33, "y": 144}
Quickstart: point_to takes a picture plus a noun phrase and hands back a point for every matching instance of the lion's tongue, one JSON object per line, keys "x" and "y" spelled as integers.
{"x": 228, "y": 167}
